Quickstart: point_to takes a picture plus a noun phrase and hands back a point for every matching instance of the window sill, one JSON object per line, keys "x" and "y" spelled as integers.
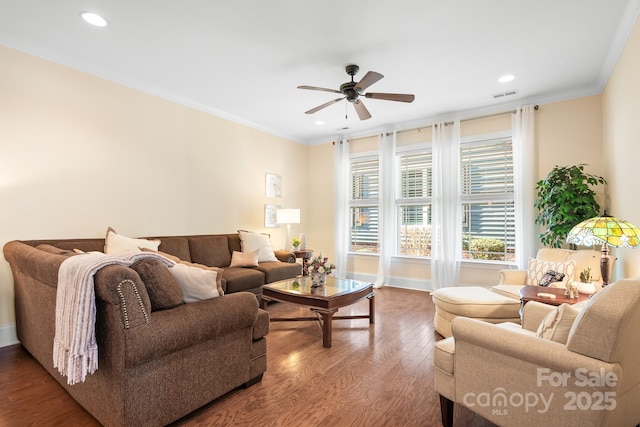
{"x": 486, "y": 265}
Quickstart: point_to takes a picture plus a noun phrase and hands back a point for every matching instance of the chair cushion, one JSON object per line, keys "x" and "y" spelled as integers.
{"x": 242, "y": 279}
{"x": 511, "y": 291}
{"x": 276, "y": 270}
{"x": 476, "y": 301}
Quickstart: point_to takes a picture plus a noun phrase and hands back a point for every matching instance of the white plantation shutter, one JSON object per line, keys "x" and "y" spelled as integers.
{"x": 414, "y": 203}
{"x": 364, "y": 204}
{"x": 488, "y": 196}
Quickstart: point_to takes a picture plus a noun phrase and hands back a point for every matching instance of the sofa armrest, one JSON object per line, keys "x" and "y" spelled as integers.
{"x": 35, "y": 263}
{"x": 261, "y": 326}
{"x": 121, "y": 289}
{"x": 512, "y": 277}
{"x": 285, "y": 256}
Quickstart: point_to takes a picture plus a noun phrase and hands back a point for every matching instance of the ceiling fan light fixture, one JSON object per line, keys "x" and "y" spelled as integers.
{"x": 94, "y": 19}
{"x": 352, "y": 90}
{"x": 507, "y": 78}
{"x": 319, "y": 122}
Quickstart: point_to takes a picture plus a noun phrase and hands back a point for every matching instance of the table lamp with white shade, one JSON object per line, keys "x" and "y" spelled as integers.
{"x": 288, "y": 216}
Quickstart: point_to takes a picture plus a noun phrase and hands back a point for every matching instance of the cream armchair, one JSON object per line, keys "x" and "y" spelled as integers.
{"x": 511, "y": 377}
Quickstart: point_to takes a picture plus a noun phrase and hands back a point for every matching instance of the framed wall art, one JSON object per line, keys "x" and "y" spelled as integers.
{"x": 273, "y": 185}
{"x": 270, "y": 215}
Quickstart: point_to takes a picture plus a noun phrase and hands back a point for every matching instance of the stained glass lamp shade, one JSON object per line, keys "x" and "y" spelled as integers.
{"x": 607, "y": 231}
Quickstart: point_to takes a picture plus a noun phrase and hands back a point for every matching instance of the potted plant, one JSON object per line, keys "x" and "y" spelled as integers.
{"x": 586, "y": 286}
{"x": 585, "y": 275}
{"x": 565, "y": 198}
{"x": 295, "y": 242}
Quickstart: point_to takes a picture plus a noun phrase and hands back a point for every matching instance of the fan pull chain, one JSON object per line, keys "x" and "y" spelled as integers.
{"x": 346, "y": 111}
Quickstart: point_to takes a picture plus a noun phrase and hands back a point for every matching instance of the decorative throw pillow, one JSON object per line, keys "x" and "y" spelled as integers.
{"x": 198, "y": 283}
{"x": 178, "y": 274}
{"x": 244, "y": 259}
{"x": 163, "y": 289}
{"x": 538, "y": 268}
{"x": 550, "y": 277}
{"x": 115, "y": 243}
{"x": 251, "y": 241}
{"x": 557, "y": 324}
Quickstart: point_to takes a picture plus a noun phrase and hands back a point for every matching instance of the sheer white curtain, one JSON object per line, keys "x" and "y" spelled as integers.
{"x": 387, "y": 229}
{"x": 524, "y": 167}
{"x": 341, "y": 206}
{"x": 446, "y": 216}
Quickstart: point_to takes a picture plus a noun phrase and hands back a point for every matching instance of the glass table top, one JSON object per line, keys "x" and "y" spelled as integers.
{"x": 333, "y": 287}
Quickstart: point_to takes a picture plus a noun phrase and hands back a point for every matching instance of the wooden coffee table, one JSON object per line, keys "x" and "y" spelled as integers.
{"x": 324, "y": 301}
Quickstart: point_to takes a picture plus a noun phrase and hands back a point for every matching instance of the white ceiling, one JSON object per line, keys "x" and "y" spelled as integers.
{"x": 244, "y": 59}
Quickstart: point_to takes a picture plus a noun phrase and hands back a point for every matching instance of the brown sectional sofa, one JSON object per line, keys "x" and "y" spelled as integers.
{"x": 155, "y": 367}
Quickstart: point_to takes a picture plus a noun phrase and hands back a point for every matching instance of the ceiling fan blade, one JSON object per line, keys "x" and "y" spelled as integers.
{"x": 391, "y": 96}
{"x": 370, "y": 78}
{"x": 362, "y": 111}
{"x": 319, "y": 88}
{"x": 325, "y": 105}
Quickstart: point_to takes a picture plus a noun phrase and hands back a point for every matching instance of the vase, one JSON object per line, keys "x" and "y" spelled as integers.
{"x": 318, "y": 279}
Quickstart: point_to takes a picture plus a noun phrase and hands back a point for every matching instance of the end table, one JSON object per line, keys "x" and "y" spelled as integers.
{"x": 305, "y": 255}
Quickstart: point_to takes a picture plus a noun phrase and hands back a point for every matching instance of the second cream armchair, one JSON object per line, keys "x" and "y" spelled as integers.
{"x": 512, "y": 377}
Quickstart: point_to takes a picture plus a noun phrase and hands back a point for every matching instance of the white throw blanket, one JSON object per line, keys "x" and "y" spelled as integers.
{"x": 75, "y": 352}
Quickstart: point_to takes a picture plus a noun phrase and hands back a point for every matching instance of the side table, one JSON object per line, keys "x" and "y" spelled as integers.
{"x": 305, "y": 255}
{"x": 530, "y": 293}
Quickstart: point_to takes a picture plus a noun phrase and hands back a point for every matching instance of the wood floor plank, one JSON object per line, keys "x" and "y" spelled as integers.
{"x": 373, "y": 375}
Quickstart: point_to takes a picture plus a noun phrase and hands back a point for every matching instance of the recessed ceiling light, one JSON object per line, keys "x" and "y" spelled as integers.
{"x": 506, "y": 78}
{"x": 319, "y": 122}
{"x": 94, "y": 19}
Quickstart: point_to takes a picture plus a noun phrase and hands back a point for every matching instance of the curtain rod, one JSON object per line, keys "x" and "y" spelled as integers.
{"x": 535, "y": 107}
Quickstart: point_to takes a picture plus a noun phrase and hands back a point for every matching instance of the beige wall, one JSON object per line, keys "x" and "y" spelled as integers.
{"x": 621, "y": 146}
{"x": 570, "y": 133}
{"x": 79, "y": 154}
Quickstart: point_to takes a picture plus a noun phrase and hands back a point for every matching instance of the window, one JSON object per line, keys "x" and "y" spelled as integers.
{"x": 414, "y": 203}
{"x": 487, "y": 195}
{"x": 487, "y": 200}
{"x": 364, "y": 204}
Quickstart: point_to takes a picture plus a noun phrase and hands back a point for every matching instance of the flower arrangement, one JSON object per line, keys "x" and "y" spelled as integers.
{"x": 319, "y": 265}
{"x": 295, "y": 242}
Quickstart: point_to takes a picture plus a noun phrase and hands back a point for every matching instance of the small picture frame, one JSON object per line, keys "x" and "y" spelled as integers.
{"x": 270, "y": 215}
{"x": 273, "y": 185}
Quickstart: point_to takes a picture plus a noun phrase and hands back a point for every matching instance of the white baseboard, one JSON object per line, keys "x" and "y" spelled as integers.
{"x": 395, "y": 282}
{"x": 8, "y": 335}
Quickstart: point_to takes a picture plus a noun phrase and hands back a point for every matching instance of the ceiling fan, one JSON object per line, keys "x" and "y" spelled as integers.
{"x": 352, "y": 90}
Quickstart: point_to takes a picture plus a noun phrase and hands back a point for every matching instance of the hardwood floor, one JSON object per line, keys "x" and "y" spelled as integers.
{"x": 378, "y": 375}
